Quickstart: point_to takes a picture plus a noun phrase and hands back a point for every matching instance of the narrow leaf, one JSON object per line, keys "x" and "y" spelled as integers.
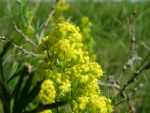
{"x": 123, "y": 100}
{"x": 17, "y": 90}
{"x": 5, "y": 97}
{"x": 26, "y": 88}
{"x": 5, "y": 49}
{"x": 14, "y": 68}
{"x": 1, "y": 59}
{"x": 110, "y": 96}
{"x": 15, "y": 74}
{"x": 42, "y": 107}
{"x": 33, "y": 93}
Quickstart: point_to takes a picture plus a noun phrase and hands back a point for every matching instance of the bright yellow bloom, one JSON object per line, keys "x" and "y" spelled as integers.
{"x": 69, "y": 73}
{"x": 47, "y": 92}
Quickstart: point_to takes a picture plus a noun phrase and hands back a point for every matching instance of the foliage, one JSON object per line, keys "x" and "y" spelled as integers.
{"x": 16, "y": 95}
{"x": 63, "y": 62}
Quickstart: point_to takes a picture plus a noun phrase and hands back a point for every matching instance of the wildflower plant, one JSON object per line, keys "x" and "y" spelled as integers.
{"x": 69, "y": 73}
{"x": 64, "y": 77}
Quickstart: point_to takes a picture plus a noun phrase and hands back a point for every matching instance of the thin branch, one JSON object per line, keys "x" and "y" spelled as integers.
{"x": 114, "y": 85}
{"x": 26, "y": 38}
{"x": 133, "y": 38}
{"x": 47, "y": 21}
{"x": 109, "y": 85}
{"x": 18, "y": 47}
{"x": 133, "y": 49}
{"x": 131, "y": 80}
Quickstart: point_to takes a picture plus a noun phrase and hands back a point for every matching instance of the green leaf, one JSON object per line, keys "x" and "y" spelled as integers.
{"x": 42, "y": 107}
{"x": 123, "y": 100}
{"x": 15, "y": 74}
{"x": 26, "y": 88}
{"x": 5, "y": 49}
{"x": 14, "y": 69}
{"x": 33, "y": 93}
{"x": 5, "y": 97}
{"x": 1, "y": 59}
{"x": 18, "y": 89}
{"x": 110, "y": 95}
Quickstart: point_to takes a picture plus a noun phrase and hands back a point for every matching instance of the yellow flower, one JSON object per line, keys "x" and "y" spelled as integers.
{"x": 69, "y": 73}
{"x": 47, "y": 92}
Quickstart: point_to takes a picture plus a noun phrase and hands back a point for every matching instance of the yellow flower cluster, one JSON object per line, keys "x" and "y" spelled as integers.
{"x": 47, "y": 92}
{"x": 93, "y": 104}
{"x": 85, "y": 28}
{"x": 69, "y": 73}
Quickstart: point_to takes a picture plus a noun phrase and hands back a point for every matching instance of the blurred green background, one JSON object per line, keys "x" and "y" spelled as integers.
{"x": 111, "y": 26}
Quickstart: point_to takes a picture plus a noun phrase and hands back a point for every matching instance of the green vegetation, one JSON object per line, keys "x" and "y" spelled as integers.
{"x": 112, "y": 26}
